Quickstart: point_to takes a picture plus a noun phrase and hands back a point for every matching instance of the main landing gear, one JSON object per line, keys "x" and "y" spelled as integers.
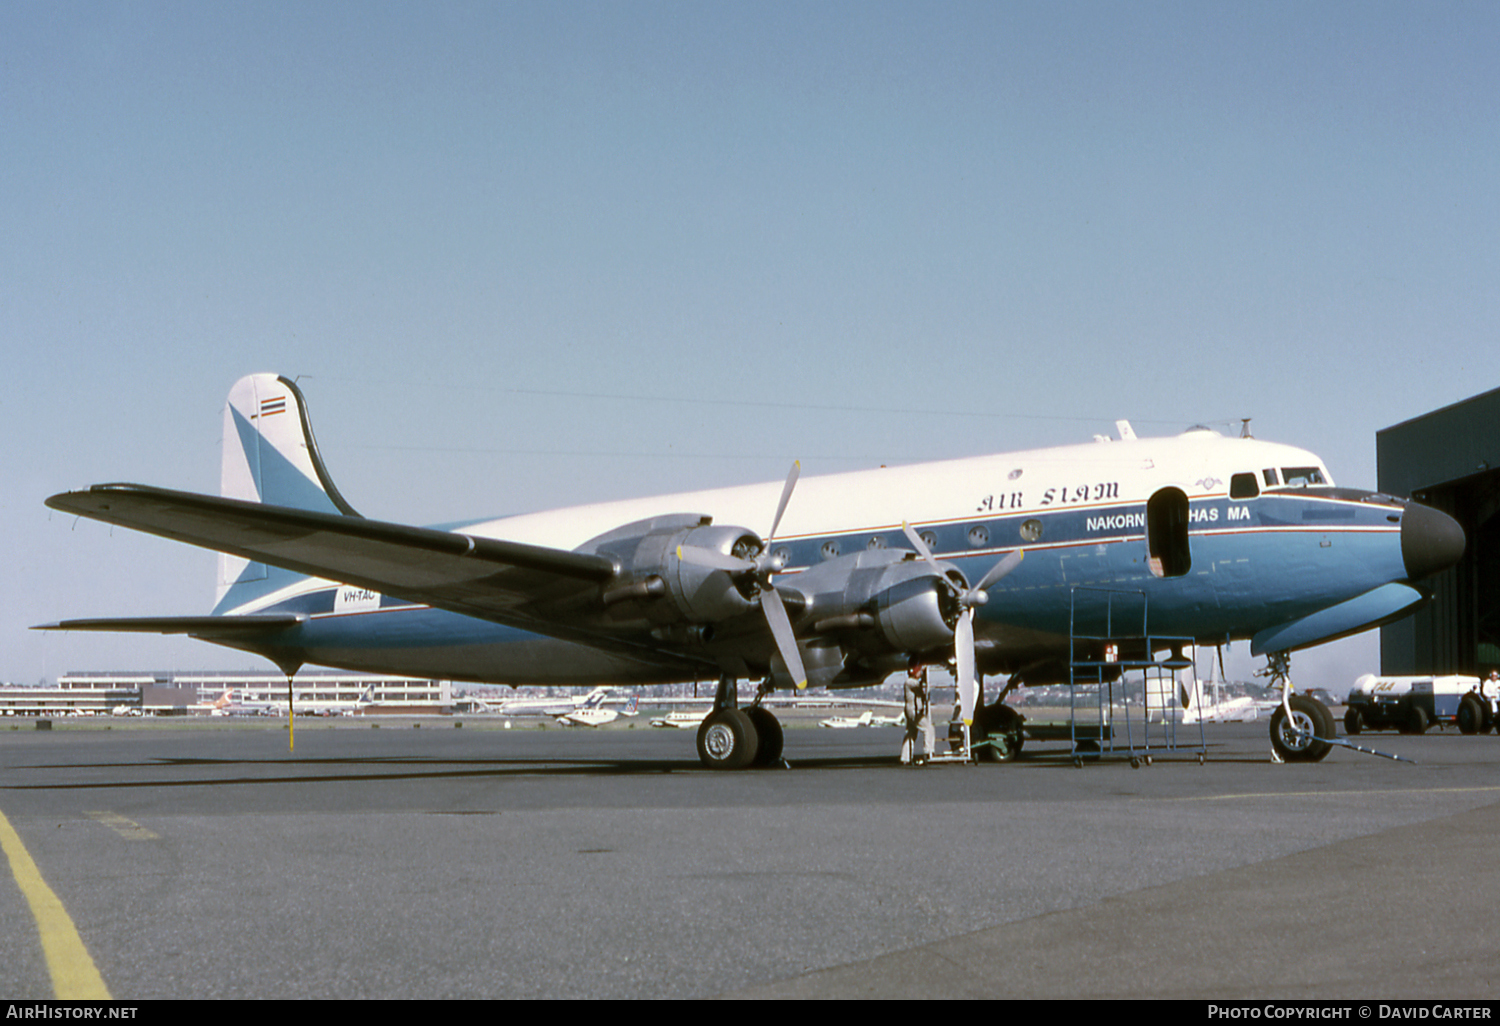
{"x": 732, "y": 738}
{"x": 1301, "y": 727}
{"x": 995, "y": 736}
{"x": 998, "y": 733}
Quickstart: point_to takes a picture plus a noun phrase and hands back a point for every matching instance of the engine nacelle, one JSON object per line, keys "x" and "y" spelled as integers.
{"x": 861, "y": 615}
{"x": 882, "y": 602}
{"x": 668, "y": 589}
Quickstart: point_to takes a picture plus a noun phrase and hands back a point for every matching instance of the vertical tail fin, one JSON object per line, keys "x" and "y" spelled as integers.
{"x": 269, "y": 456}
{"x": 269, "y": 452}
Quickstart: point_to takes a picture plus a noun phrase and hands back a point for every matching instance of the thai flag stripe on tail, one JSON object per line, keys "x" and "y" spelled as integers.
{"x": 269, "y": 407}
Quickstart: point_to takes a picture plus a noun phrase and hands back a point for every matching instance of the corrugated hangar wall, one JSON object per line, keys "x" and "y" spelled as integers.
{"x": 1450, "y": 459}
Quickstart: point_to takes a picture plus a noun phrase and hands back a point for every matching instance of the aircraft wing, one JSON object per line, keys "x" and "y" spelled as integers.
{"x": 525, "y": 586}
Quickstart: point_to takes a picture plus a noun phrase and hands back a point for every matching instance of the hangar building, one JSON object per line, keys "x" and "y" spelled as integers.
{"x": 1450, "y": 459}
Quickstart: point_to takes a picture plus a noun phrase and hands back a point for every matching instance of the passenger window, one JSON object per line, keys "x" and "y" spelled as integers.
{"x": 1243, "y": 486}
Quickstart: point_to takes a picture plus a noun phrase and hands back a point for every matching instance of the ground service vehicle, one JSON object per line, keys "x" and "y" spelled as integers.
{"x": 1412, "y": 704}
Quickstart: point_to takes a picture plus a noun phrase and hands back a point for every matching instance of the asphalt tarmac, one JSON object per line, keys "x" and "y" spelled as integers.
{"x": 428, "y": 860}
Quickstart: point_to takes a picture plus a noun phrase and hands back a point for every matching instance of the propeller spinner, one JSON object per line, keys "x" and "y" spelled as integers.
{"x": 760, "y": 568}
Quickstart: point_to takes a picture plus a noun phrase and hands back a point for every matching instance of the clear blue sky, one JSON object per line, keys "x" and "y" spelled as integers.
{"x": 535, "y": 254}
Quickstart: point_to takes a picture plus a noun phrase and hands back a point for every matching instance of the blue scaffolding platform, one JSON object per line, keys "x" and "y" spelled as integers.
{"x": 1108, "y": 636}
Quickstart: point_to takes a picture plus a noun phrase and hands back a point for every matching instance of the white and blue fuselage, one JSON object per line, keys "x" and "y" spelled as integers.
{"x": 1258, "y": 538}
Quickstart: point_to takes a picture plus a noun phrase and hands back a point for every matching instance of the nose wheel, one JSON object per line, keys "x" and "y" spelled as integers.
{"x": 1301, "y": 727}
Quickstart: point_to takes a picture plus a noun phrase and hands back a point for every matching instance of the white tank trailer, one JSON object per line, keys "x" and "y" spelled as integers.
{"x": 1412, "y": 704}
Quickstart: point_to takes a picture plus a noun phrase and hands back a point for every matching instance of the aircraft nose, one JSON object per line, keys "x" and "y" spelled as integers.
{"x": 1431, "y": 541}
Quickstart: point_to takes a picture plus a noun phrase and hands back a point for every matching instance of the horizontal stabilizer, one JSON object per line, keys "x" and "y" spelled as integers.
{"x": 1372, "y": 609}
{"x": 201, "y": 626}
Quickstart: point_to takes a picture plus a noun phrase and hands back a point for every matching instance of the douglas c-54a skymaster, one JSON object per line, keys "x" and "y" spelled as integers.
{"x": 858, "y": 575}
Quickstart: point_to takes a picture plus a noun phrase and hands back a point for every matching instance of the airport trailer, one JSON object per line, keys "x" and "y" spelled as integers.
{"x": 1412, "y": 704}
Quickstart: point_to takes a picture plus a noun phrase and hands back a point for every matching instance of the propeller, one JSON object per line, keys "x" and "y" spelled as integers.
{"x": 963, "y": 631}
{"x": 762, "y": 566}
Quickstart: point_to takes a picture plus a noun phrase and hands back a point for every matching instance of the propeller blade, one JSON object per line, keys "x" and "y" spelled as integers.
{"x": 920, "y": 545}
{"x": 713, "y": 559}
{"x": 781, "y": 630}
{"x": 1000, "y": 569}
{"x": 786, "y": 497}
{"x": 963, "y": 646}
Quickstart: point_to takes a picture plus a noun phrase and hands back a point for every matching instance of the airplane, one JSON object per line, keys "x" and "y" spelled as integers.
{"x": 307, "y": 705}
{"x": 683, "y": 719}
{"x": 864, "y": 719}
{"x": 1136, "y": 545}
{"x": 1242, "y": 709}
{"x": 225, "y": 705}
{"x": 304, "y": 703}
{"x": 1191, "y": 701}
{"x": 848, "y": 722}
{"x": 595, "y": 715}
{"x": 550, "y": 706}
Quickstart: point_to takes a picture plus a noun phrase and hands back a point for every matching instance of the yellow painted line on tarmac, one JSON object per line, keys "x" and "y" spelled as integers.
{"x": 126, "y": 828}
{"x": 74, "y": 977}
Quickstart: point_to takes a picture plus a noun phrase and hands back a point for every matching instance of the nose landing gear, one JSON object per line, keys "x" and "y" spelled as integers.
{"x": 1301, "y": 727}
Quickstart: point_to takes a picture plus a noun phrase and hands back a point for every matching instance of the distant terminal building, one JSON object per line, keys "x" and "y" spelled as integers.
{"x": 176, "y": 693}
{"x": 21, "y": 700}
{"x": 1450, "y": 459}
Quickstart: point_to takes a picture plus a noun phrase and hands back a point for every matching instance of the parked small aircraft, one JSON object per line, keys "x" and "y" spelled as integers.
{"x": 1198, "y": 701}
{"x": 864, "y": 719}
{"x": 1136, "y": 546}
{"x": 595, "y": 715}
{"x": 682, "y": 719}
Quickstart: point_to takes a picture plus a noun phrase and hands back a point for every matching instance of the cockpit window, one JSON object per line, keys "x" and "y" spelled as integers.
{"x": 1270, "y": 475}
{"x": 1302, "y": 477}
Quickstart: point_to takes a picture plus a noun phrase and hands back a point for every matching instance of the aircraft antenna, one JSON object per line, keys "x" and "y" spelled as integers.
{"x": 1245, "y": 428}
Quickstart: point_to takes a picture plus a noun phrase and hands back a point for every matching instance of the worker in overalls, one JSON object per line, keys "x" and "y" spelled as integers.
{"x": 918, "y": 718}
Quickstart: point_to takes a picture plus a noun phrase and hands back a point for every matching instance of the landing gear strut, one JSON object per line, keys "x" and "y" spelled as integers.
{"x": 1301, "y": 727}
{"x": 732, "y": 738}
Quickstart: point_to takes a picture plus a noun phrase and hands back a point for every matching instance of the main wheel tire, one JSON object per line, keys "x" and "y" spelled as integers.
{"x": 1415, "y": 721}
{"x": 1470, "y": 715}
{"x": 1328, "y": 728}
{"x": 1000, "y": 725}
{"x": 768, "y": 734}
{"x": 1303, "y": 738}
{"x": 727, "y": 740}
